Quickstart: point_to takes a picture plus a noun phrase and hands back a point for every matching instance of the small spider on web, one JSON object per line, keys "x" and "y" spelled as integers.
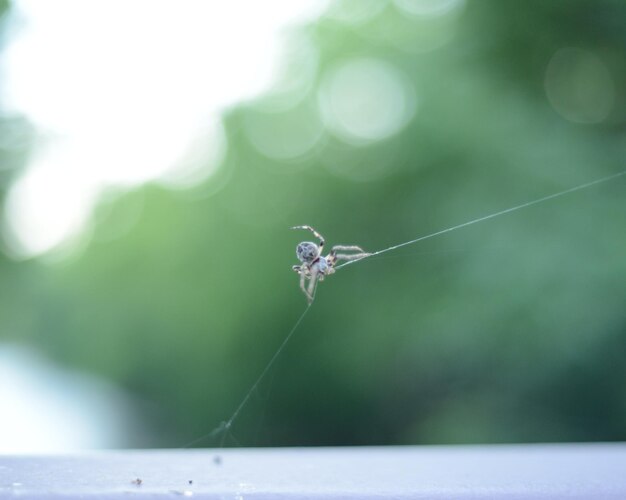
{"x": 315, "y": 266}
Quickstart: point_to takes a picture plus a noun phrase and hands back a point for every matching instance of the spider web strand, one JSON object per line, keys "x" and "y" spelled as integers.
{"x": 225, "y": 426}
{"x": 490, "y": 216}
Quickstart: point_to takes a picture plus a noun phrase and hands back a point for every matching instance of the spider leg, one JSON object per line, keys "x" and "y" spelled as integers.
{"x": 347, "y": 248}
{"x": 309, "y": 292}
{"x": 331, "y": 260}
{"x": 334, "y": 256}
{"x": 317, "y": 235}
{"x": 303, "y": 269}
{"x": 302, "y": 282}
{"x": 348, "y": 258}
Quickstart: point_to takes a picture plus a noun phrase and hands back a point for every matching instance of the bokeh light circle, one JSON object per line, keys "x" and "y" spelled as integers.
{"x": 284, "y": 136}
{"x": 355, "y": 11}
{"x": 365, "y": 100}
{"x": 428, "y": 8}
{"x": 579, "y": 86}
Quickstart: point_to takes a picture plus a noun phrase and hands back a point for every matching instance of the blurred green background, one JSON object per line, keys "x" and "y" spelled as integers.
{"x": 416, "y": 116}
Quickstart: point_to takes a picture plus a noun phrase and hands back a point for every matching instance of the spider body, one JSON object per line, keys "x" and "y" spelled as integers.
{"x": 315, "y": 266}
{"x": 307, "y": 251}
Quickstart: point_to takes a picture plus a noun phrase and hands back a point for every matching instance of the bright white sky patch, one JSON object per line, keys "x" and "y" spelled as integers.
{"x": 120, "y": 90}
{"x": 49, "y": 410}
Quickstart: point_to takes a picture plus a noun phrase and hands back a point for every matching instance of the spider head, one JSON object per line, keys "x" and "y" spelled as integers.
{"x": 307, "y": 252}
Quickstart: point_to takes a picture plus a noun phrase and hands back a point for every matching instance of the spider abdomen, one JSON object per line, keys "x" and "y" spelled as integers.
{"x": 307, "y": 251}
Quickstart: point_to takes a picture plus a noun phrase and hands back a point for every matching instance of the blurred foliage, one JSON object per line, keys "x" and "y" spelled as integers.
{"x": 512, "y": 330}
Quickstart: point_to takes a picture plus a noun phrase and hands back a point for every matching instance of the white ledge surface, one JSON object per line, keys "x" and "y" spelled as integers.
{"x": 459, "y": 472}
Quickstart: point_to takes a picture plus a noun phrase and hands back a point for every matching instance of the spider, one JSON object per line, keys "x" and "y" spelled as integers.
{"x": 315, "y": 266}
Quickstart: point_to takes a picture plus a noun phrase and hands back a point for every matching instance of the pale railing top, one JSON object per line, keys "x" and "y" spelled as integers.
{"x": 458, "y": 472}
